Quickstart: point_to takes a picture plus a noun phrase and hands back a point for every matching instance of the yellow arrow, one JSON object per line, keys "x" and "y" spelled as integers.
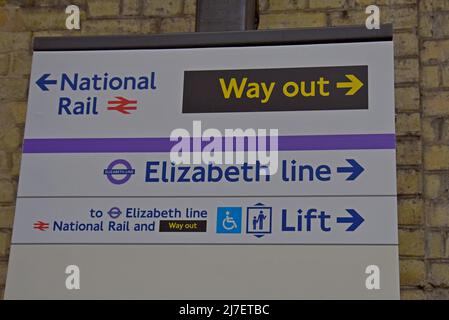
{"x": 354, "y": 85}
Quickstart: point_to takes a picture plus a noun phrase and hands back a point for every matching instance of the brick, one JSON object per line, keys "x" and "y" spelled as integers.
{"x": 12, "y": 139}
{"x": 409, "y": 181}
{"x": 434, "y": 24}
{"x": 263, "y": 5}
{"x": 347, "y": 17}
{"x": 7, "y": 192}
{"x": 440, "y": 24}
{"x": 446, "y": 253}
{"x": 150, "y": 26}
{"x": 425, "y": 25}
{"x": 65, "y": 3}
{"x": 21, "y": 63}
{"x": 4, "y": 160}
{"x": 435, "y": 51}
{"x": 13, "y": 89}
{"x": 190, "y": 7}
{"x": 108, "y": 27}
{"x": 4, "y": 64}
{"x": 35, "y": 19}
{"x": 444, "y": 131}
{"x": 5, "y": 241}
{"x": 432, "y": 186}
{"x": 413, "y": 294}
{"x": 6, "y": 123}
{"x": 45, "y": 3}
{"x": 15, "y": 41}
{"x": 131, "y": 7}
{"x": 16, "y": 157}
{"x": 163, "y": 8}
{"x": 103, "y": 8}
{"x": 411, "y": 211}
{"x": 430, "y": 77}
{"x": 413, "y": 272}
{"x": 436, "y": 129}
{"x": 3, "y": 17}
{"x": 445, "y": 75}
{"x": 411, "y": 242}
{"x": 292, "y": 20}
{"x": 9, "y": 19}
{"x": 56, "y": 33}
{"x": 407, "y": 98}
{"x": 327, "y": 4}
{"x": 408, "y": 152}
{"x": 6, "y": 217}
{"x": 435, "y": 245}
{"x": 18, "y": 111}
{"x": 425, "y": 6}
{"x": 430, "y": 129}
{"x": 439, "y": 274}
{"x": 284, "y": 5}
{"x": 405, "y": 44}
{"x": 408, "y": 124}
{"x": 3, "y": 271}
{"x": 406, "y": 70}
{"x": 402, "y": 2}
{"x": 440, "y": 5}
{"x": 436, "y": 157}
{"x": 436, "y": 103}
{"x": 438, "y": 294}
{"x": 401, "y": 17}
{"x": 366, "y": 3}
{"x": 433, "y": 5}
{"x": 438, "y": 213}
{"x": 179, "y": 24}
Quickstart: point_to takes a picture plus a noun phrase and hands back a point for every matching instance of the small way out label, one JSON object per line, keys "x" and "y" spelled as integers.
{"x": 285, "y": 89}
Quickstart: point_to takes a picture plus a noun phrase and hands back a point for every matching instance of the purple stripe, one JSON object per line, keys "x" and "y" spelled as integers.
{"x": 285, "y": 143}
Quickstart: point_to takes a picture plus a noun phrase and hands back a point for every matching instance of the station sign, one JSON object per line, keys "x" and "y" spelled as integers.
{"x": 99, "y": 187}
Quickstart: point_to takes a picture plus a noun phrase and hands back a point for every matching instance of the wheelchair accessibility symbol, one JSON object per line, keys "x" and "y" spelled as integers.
{"x": 229, "y": 220}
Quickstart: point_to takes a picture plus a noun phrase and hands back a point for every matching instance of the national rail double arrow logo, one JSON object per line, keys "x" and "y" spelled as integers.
{"x": 41, "y": 225}
{"x": 122, "y": 105}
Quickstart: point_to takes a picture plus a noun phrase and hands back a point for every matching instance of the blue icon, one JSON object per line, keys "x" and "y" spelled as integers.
{"x": 258, "y": 220}
{"x": 114, "y": 212}
{"x": 229, "y": 220}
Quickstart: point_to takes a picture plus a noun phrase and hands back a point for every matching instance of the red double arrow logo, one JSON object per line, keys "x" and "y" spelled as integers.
{"x": 40, "y": 225}
{"x": 122, "y": 105}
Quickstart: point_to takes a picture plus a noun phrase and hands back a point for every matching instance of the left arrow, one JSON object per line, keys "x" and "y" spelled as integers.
{"x": 355, "y": 219}
{"x": 43, "y": 81}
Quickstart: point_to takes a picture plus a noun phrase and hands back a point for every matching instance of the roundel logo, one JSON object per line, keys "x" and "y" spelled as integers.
{"x": 119, "y": 171}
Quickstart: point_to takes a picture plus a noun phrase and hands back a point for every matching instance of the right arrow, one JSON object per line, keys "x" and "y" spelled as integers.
{"x": 355, "y": 169}
{"x": 355, "y": 84}
{"x": 355, "y": 219}
{"x": 43, "y": 81}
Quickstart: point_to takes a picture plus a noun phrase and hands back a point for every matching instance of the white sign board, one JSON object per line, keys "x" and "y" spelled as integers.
{"x": 98, "y": 189}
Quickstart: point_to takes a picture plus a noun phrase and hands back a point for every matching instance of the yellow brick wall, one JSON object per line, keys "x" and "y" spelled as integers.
{"x": 422, "y": 102}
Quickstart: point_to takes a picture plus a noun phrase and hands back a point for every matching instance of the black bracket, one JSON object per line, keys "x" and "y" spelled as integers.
{"x": 226, "y": 15}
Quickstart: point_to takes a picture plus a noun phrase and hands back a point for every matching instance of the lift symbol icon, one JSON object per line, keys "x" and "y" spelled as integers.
{"x": 259, "y": 220}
